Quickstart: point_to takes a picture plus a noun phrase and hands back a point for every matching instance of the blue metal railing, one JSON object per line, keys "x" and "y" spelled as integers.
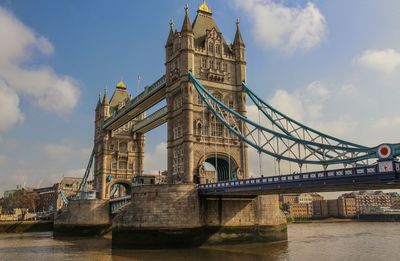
{"x": 264, "y": 183}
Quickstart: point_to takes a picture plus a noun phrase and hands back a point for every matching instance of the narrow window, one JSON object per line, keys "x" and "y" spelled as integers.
{"x": 210, "y": 47}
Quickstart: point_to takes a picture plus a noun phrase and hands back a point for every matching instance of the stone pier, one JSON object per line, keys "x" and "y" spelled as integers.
{"x": 174, "y": 216}
{"x": 83, "y": 218}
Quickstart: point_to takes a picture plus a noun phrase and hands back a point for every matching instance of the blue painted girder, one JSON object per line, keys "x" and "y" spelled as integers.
{"x": 368, "y": 177}
{"x": 358, "y": 153}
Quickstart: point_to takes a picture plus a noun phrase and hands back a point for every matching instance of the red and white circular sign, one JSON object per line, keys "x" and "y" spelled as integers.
{"x": 384, "y": 151}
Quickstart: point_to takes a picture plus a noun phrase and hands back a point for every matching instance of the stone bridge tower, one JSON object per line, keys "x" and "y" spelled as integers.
{"x": 195, "y": 136}
{"x": 118, "y": 154}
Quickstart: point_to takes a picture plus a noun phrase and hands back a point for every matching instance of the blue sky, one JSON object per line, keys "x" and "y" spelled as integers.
{"x": 334, "y": 65}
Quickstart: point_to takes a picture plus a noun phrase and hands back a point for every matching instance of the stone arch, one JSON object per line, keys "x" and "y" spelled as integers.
{"x": 126, "y": 184}
{"x": 220, "y": 162}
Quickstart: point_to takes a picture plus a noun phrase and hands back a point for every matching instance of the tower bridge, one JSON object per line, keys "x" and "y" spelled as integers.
{"x": 205, "y": 91}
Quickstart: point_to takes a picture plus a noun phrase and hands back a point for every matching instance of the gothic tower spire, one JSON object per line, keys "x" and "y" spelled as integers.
{"x": 105, "y": 98}
{"x": 170, "y": 39}
{"x": 187, "y": 25}
{"x": 238, "y": 36}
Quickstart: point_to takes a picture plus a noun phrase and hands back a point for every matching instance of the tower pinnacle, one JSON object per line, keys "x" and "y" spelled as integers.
{"x": 238, "y": 36}
{"x": 105, "y": 98}
{"x": 187, "y": 25}
{"x": 121, "y": 85}
{"x": 204, "y": 8}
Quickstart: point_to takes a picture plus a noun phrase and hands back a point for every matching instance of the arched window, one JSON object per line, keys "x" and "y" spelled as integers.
{"x": 218, "y": 65}
{"x": 199, "y": 99}
{"x": 218, "y": 48}
{"x": 211, "y": 64}
{"x": 122, "y": 165}
{"x": 198, "y": 128}
{"x": 203, "y": 63}
{"x": 123, "y": 146}
{"x": 216, "y": 129}
{"x": 210, "y": 47}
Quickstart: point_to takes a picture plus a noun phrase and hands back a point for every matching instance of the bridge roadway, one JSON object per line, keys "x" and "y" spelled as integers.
{"x": 152, "y": 121}
{"x": 383, "y": 175}
{"x": 151, "y": 95}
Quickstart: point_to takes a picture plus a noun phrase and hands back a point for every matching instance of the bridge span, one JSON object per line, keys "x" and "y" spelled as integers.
{"x": 205, "y": 90}
{"x": 383, "y": 175}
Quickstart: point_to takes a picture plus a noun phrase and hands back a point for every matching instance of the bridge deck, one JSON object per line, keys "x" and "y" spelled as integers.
{"x": 148, "y": 98}
{"x": 152, "y": 121}
{"x": 358, "y": 178}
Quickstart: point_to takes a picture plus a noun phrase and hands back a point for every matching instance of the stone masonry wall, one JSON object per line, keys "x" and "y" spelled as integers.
{"x": 261, "y": 210}
{"x": 161, "y": 206}
{"x": 269, "y": 212}
{"x": 85, "y": 212}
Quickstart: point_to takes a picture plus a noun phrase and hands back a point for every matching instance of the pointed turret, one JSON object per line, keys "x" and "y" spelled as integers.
{"x": 98, "y": 103}
{"x": 238, "y": 41}
{"x": 187, "y": 25}
{"x": 105, "y": 98}
{"x": 170, "y": 40}
{"x": 105, "y": 105}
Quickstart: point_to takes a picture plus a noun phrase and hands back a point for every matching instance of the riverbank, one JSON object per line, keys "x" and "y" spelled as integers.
{"x": 326, "y": 220}
{"x": 25, "y": 226}
{"x": 380, "y": 217}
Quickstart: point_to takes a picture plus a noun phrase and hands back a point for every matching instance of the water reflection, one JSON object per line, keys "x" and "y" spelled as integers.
{"x": 316, "y": 241}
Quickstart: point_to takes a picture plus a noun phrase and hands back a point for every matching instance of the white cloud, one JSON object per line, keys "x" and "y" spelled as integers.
{"x": 302, "y": 104}
{"x": 58, "y": 151}
{"x": 156, "y": 160}
{"x": 385, "y": 61}
{"x": 287, "y": 28}
{"x": 19, "y": 46}
{"x": 74, "y": 173}
{"x": 10, "y": 114}
{"x": 3, "y": 160}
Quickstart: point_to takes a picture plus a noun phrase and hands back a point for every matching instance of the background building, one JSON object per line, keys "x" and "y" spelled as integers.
{"x": 302, "y": 205}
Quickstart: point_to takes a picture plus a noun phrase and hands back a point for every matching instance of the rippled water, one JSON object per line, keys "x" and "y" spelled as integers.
{"x": 311, "y": 241}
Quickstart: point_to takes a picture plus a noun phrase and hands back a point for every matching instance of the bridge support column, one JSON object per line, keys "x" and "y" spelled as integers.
{"x": 244, "y": 219}
{"x": 83, "y": 218}
{"x": 174, "y": 216}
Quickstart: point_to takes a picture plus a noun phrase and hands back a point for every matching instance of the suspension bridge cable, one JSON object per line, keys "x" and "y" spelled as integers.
{"x": 259, "y": 142}
{"x": 215, "y": 141}
{"x": 320, "y": 149}
{"x": 243, "y": 155}
{"x": 229, "y": 155}
{"x": 203, "y": 134}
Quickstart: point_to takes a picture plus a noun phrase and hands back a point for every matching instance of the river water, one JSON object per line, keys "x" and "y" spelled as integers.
{"x": 310, "y": 241}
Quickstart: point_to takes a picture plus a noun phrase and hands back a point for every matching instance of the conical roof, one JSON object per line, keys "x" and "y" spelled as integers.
{"x": 204, "y": 8}
{"x": 202, "y": 23}
{"x": 105, "y": 99}
{"x": 121, "y": 85}
{"x": 238, "y": 36}
{"x": 98, "y": 103}
{"x": 186, "y": 26}
{"x": 170, "y": 40}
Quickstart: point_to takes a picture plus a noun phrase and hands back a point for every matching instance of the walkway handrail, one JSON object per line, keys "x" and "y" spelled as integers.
{"x": 148, "y": 90}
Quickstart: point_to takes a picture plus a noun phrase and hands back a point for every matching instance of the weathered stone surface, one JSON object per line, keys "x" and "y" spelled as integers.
{"x": 260, "y": 210}
{"x": 161, "y": 206}
{"x": 25, "y": 226}
{"x": 173, "y": 216}
{"x": 83, "y": 217}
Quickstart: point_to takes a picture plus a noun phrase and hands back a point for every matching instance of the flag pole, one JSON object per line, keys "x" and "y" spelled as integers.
{"x": 138, "y": 85}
